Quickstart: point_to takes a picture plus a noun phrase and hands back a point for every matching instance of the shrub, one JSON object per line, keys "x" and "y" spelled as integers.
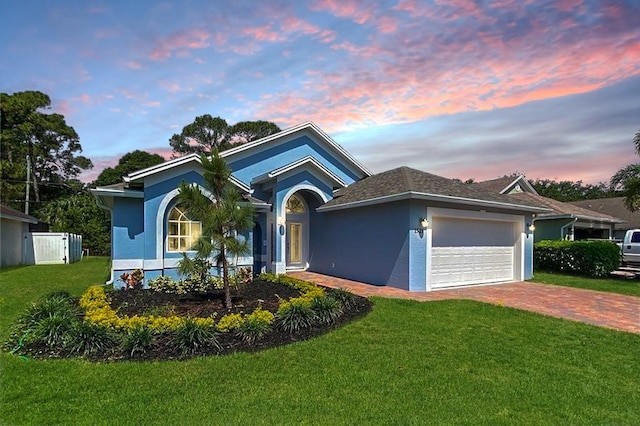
{"x": 255, "y": 325}
{"x": 589, "y": 258}
{"x": 230, "y": 322}
{"x": 88, "y": 338}
{"x": 98, "y": 310}
{"x": 327, "y": 310}
{"x": 47, "y": 321}
{"x": 55, "y": 303}
{"x": 344, "y": 297}
{"x": 132, "y": 280}
{"x": 193, "y": 336}
{"x": 194, "y": 284}
{"x": 295, "y": 315}
{"x": 54, "y": 330}
{"x": 137, "y": 339}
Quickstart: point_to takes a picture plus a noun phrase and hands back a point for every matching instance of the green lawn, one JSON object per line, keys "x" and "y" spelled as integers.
{"x": 612, "y": 285}
{"x": 405, "y": 363}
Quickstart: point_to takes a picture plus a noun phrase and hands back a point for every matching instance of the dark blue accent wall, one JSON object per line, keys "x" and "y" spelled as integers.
{"x": 368, "y": 244}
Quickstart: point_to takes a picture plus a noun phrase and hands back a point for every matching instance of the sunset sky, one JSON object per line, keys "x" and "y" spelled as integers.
{"x": 461, "y": 88}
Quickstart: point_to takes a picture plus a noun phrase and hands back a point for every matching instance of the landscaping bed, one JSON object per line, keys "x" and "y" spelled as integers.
{"x": 142, "y": 324}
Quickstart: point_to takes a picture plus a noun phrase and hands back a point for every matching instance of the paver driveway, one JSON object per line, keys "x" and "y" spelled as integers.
{"x": 610, "y": 310}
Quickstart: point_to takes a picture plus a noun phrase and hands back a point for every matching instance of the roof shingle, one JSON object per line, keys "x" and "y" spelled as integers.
{"x": 405, "y": 180}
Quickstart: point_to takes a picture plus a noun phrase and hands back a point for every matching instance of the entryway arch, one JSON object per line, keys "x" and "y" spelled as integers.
{"x": 296, "y": 210}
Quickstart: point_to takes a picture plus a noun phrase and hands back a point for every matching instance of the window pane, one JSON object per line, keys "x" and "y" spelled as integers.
{"x": 173, "y": 244}
{"x": 173, "y": 228}
{"x": 182, "y": 233}
{"x": 295, "y": 205}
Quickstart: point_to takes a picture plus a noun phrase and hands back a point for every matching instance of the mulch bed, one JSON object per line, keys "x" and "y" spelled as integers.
{"x": 245, "y": 300}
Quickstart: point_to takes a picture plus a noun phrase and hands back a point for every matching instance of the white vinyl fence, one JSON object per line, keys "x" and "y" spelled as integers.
{"x": 46, "y": 248}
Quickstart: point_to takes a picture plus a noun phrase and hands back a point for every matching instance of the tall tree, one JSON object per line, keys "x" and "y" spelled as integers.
{"x": 203, "y": 136}
{"x": 222, "y": 219}
{"x": 36, "y": 146}
{"x": 208, "y": 133}
{"x": 571, "y": 191}
{"x": 627, "y": 180}
{"x": 128, "y": 163}
{"x": 79, "y": 214}
{"x": 249, "y": 131}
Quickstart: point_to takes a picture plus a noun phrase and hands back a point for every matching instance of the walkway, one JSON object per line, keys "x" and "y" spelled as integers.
{"x": 610, "y": 310}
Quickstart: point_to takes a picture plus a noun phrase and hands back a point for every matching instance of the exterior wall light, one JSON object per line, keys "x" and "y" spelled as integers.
{"x": 531, "y": 227}
{"x": 424, "y": 224}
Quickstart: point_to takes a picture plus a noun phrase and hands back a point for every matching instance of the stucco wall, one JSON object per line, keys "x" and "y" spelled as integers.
{"x": 364, "y": 244}
{"x": 550, "y": 229}
{"x": 260, "y": 161}
{"x": 12, "y": 241}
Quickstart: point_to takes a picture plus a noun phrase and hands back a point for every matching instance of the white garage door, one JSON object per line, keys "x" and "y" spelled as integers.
{"x": 470, "y": 251}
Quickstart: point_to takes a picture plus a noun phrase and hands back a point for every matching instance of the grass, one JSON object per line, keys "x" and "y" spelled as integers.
{"x": 611, "y": 285}
{"x": 405, "y": 363}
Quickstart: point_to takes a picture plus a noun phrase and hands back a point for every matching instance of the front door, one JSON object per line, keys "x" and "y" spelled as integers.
{"x": 294, "y": 244}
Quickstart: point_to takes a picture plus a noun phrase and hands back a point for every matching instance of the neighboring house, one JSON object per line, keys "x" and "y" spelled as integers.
{"x": 613, "y": 207}
{"x": 319, "y": 209}
{"x": 564, "y": 220}
{"x": 13, "y": 227}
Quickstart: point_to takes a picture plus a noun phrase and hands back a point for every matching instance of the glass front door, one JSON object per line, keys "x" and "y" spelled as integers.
{"x": 294, "y": 243}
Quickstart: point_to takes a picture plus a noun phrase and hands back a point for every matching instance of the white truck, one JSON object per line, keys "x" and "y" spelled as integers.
{"x": 630, "y": 247}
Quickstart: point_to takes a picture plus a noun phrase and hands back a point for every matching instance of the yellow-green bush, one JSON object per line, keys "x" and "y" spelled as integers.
{"x": 261, "y": 315}
{"x": 97, "y": 310}
{"x": 230, "y": 322}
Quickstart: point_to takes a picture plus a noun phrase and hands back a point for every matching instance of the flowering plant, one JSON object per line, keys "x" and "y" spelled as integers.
{"x": 132, "y": 279}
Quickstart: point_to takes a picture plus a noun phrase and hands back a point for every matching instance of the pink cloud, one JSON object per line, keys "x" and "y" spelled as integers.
{"x": 180, "y": 42}
{"x": 356, "y": 10}
{"x": 134, "y": 65}
{"x": 415, "y": 73}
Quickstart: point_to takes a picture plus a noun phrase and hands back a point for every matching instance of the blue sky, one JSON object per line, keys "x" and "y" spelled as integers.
{"x": 457, "y": 88}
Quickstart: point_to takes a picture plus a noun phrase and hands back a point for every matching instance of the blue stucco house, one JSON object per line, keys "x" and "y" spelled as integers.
{"x": 319, "y": 209}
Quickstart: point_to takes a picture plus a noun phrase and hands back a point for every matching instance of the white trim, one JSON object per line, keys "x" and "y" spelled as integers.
{"x": 432, "y": 197}
{"x": 298, "y": 164}
{"x": 101, "y": 191}
{"x": 141, "y": 174}
{"x": 524, "y": 181}
{"x": 293, "y": 190}
{"x": 152, "y": 264}
{"x": 578, "y": 217}
{"x": 308, "y": 126}
{"x": 119, "y": 264}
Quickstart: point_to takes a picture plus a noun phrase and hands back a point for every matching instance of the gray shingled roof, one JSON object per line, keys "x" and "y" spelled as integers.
{"x": 614, "y": 207}
{"x": 408, "y": 182}
{"x": 496, "y": 185}
{"x": 562, "y": 208}
{"x": 10, "y": 213}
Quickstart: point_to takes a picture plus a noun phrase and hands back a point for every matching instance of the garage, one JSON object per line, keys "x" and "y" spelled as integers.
{"x": 471, "y": 251}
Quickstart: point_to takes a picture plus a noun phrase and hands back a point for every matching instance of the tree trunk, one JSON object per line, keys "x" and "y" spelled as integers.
{"x": 225, "y": 278}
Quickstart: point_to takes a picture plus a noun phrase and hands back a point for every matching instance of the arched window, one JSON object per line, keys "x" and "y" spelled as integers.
{"x": 182, "y": 231}
{"x": 295, "y": 205}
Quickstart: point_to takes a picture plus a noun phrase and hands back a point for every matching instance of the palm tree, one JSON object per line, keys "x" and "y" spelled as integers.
{"x": 627, "y": 180}
{"x": 222, "y": 218}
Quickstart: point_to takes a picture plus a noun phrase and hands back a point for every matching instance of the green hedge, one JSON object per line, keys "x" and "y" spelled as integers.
{"x": 590, "y": 258}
